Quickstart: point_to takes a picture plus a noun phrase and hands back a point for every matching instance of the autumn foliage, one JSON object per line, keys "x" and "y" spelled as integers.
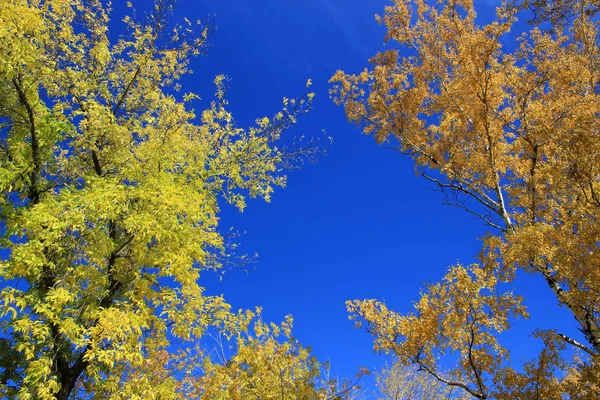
{"x": 509, "y": 134}
{"x": 111, "y": 188}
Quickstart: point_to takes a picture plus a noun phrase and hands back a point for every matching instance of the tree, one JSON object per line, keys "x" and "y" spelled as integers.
{"x": 268, "y": 363}
{"x": 405, "y": 382}
{"x": 262, "y": 367}
{"x": 510, "y": 135}
{"x": 251, "y": 359}
{"x": 111, "y": 187}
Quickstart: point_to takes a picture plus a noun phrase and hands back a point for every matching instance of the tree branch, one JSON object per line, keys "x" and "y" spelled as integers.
{"x": 35, "y": 145}
{"x": 575, "y": 343}
{"x": 470, "y": 352}
{"x": 449, "y": 382}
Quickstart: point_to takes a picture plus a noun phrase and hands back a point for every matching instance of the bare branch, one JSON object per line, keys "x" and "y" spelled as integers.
{"x": 451, "y": 383}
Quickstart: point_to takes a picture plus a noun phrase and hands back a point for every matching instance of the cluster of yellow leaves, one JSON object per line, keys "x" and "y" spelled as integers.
{"x": 268, "y": 363}
{"x": 110, "y": 188}
{"x": 458, "y": 317}
{"x": 252, "y": 359}
{"x": 511, "y": 135}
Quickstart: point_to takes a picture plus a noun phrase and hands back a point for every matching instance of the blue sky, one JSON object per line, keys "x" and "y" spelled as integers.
{"x": 358, "y": 224}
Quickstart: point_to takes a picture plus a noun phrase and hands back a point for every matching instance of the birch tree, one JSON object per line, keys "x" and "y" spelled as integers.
{"x": 511, "y": 136}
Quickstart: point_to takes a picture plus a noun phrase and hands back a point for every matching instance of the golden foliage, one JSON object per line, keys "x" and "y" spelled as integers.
{"x": 250, "y": 359}
{"x": 510, "y": 135}
{"x": 267, "y": 363}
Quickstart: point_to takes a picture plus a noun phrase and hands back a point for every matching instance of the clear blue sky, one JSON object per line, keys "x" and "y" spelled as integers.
{"x": 358, "y": 224}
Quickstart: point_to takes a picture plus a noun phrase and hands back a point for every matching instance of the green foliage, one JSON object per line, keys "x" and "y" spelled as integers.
{"x": 110, "y": 190}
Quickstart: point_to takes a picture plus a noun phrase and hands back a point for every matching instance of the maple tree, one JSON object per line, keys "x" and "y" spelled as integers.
{"x": 110, "y": 187}
{"x": 510, "y": 135}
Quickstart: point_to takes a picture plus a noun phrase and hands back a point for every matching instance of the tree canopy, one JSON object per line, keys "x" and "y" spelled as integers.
{"x": 111, "y": 186}
{"x": 114, "y": 177}
{"x": 510, "y": 135}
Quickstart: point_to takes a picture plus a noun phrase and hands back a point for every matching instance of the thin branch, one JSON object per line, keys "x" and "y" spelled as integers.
{"x": 126, "y": 91}
{"x": 484, "y": 199}
{"x": 486, "y": 220}
{"x": 470, "y": 351}
{"x": 35, "y": 145}
{"x": 449, "y": 382}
